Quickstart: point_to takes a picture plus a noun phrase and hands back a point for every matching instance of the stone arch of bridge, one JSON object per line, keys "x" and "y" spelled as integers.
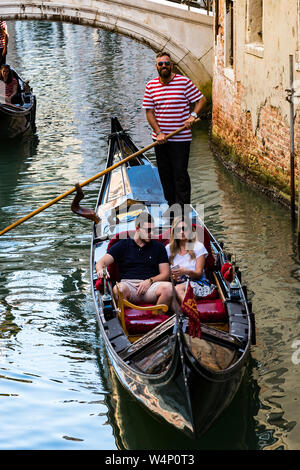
{"x": 186, "y": 35}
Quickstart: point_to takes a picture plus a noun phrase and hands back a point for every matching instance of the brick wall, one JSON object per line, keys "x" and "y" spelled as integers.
{"x": 260, "y": 153}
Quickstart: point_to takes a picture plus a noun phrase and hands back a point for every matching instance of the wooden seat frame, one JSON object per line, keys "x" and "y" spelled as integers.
{"x": 122, "y": 303}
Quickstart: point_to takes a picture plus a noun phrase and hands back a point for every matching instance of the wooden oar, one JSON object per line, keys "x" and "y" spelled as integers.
{"x": 102, "y": 173}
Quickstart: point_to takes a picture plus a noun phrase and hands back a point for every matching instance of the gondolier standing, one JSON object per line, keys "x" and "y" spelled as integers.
{"x": 3, "y": 42}
{"x": 167, "y": 101}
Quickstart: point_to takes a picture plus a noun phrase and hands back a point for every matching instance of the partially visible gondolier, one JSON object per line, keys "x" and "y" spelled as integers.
{"x": 3, "y": 42}
{"x": 167, "y": 101}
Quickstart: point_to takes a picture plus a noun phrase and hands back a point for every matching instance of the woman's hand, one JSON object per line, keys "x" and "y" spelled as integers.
{"x": 179, "y": 271}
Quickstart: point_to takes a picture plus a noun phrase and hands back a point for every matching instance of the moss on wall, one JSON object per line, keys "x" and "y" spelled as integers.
{"x": 250, "y": 169}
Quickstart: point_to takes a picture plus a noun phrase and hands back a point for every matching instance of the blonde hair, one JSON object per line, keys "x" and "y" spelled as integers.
{"x": 175, "y": 242}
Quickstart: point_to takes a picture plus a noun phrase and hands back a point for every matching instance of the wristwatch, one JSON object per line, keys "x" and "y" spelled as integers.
{"x": 194, "y": 115}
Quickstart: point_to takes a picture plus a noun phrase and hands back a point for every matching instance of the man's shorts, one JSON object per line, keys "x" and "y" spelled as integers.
{"x": 149, "y": 297}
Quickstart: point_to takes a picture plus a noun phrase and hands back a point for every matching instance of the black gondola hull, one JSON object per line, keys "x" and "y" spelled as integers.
{"x": 185, "y": 394}
{"x": 15, "y": 122}
{"x": 163, "y": 395}
{"x": 210, "y": 394}
{"x": 188, "y": 397}
{"x": 16, "y": 119}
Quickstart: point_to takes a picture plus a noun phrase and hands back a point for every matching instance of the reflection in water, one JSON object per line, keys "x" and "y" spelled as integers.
{"x": 53, "y": 394}
{"x": 259, "y": 234}
{"x": 135, "y": 428}
{"x": 14, "y": 161}
{"x": 8, "y": 327}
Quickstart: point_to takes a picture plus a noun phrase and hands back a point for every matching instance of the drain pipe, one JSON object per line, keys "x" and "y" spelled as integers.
{"x": 290, "y": 99}
{"x": 298, "y": 230}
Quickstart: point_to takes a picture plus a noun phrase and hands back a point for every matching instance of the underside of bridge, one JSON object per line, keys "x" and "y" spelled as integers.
{"x": 186, "y": 35}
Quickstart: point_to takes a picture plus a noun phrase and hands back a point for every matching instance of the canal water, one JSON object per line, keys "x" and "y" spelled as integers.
{"x": 56, "y": 388}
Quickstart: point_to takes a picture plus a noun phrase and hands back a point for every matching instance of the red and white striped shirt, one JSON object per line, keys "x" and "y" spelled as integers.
{"x": 171, "y": 104}
{"x": 3, "y": 26}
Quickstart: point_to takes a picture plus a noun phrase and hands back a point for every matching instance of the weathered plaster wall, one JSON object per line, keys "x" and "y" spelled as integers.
{"x": 251, "y": 119}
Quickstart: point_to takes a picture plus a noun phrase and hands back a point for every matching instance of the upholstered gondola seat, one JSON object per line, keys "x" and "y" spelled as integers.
{"x": 136, "y": 319}
{"x": 140, "y": 319}
{"x": 211, "y": 311}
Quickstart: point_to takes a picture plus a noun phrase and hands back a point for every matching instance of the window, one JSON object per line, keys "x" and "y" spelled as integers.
{"x": 229, "y": 34}
{"x": 217, "y": 14}
{"x": 254, "y": 22}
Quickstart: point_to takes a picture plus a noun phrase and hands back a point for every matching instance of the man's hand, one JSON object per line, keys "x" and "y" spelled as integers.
{"x": 161, "y": 138}
{"x": 189, "y": 122}
{"x": 102, "y": 272}
{"x": 143, "y": 287}
{"x": 102, "y": 264}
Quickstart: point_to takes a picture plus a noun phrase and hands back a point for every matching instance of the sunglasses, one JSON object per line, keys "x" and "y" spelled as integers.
{"x": 181, "y": 229}
{"x": 160, "y": 64}
{"x": 147, "y": 230}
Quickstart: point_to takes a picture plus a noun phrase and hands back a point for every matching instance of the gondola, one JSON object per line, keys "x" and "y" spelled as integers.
{"x": 16, "y": 119}
{"x": 184, "y": 380}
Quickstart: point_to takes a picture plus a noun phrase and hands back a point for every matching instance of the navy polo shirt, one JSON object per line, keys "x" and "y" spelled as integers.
{"x": 137, "y": 262}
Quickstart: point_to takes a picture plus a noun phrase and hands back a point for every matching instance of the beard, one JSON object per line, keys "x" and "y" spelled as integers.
{"x": 165, "y": 72}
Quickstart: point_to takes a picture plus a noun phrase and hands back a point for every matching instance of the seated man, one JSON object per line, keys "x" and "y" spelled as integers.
{"x": 143, "y": 265}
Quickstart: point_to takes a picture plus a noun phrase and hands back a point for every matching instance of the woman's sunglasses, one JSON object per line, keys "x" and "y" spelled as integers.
{"x": 183, "y": 228}
{"x": 160, "y": 64}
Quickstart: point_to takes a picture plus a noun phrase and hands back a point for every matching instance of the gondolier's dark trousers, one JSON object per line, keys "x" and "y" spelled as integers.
{"x": 2, "y": 57}
{"x": 172, "y": 160}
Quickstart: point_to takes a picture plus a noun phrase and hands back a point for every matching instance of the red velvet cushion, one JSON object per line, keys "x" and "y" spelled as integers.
{"x": 227, "y": 272}
{"x": 99, "y": 285}
{"x": 143, "y": 325}
{"x": 142, "y": 321}
{"x": 211, "y": 310}
{"x": 205, "y": 239}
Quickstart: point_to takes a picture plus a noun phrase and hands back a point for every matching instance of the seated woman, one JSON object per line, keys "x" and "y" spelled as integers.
{"x": 187, "y": 259}
{"x": 11, "y": 85}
